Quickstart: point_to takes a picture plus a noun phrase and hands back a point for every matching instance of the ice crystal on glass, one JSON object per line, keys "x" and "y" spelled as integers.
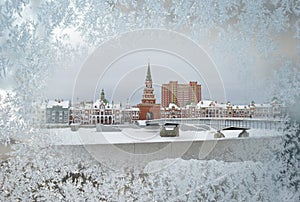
{"x": 37, "y": 39}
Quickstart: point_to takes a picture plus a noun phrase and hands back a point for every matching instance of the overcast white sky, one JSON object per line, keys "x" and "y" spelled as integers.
{"x": 119, "y": 67}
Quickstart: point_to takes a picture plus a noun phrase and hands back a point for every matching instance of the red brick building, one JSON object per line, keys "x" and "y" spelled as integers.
{"x": 148, "y": 108}
{"x": 180, "y": 94}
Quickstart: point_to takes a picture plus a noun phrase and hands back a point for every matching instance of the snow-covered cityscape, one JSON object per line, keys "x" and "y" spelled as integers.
{"x": 177, "y": 101}
{"x": 149, "y": 100}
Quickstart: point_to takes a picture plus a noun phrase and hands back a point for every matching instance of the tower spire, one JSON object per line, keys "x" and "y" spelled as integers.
{"x": 148, "y": 77}
{"x": 102, "y": 97}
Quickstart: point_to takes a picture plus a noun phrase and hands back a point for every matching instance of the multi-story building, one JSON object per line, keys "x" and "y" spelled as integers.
{"x": 212, "y": 109}
{"x": 100, "y": 111}
{"x": 130, "y": 114}
{"x": 172, "y": 111}
{"x": 209, "y": 108}
{"x": 80, "y": 112}
{"x": 180, "y": 94}
{"x": 57, "y": 111}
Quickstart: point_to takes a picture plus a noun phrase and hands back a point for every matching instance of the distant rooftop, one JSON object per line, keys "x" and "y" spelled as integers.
{"x": 62, "y": 103}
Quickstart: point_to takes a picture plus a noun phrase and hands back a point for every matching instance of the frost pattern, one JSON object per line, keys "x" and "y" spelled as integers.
{"x": 37, "y": 38}
{"x": 80, "y": 178}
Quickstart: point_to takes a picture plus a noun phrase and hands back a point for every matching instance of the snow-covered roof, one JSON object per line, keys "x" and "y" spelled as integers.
{"x": 63, "y": 103}
{"x": 210, "y": 103}
{"x": 171, "y": 105}
{"x": 240, "y": 107}
{"x": 98, "y": 103}
{"x": 107, "y": 105}
{"x": 204, "y": 103}
{"x": 221, "y": 105}
{"x": 132, "y": 109}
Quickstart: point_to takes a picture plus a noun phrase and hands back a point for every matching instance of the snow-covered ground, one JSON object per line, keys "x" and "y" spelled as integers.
{"x": 64, "y": 136}
{"x": 135, "y": 147}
